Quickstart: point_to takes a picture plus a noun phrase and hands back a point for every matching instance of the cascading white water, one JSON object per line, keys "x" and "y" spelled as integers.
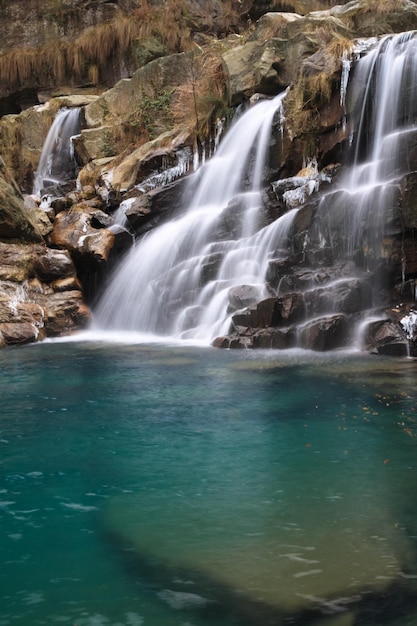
{"x": 57, "y": 164}
{"x": 177, "y": 280}
{"x": 383, "y": 93}
{"x": 181, "y": 278}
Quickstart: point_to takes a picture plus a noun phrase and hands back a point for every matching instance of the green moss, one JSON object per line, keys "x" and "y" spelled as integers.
{"x": 155, "y": 112}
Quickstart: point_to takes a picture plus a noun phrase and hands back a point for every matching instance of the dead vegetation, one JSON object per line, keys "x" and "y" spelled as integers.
{"x": 318, "y": 82}
{"x": 87, "y": 57}
{"x": 385, "y": 6}
{"x": 203, "y": 97}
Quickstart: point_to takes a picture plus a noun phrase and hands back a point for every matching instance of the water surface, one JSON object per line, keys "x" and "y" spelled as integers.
{"x": 184, "y": 486}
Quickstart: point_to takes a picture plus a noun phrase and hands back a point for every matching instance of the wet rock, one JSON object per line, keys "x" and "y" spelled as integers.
{"x": 15, "y": 333}
{"x": 386, "y": 337}
{"x": 409, "y": 200}
{"x": 240, "y": 343}
{"x": 270, "y": 312}
{"x": 262, "y": 315}
{"x": 40, "y": 294}
{"x": 147, "y": 158}
{"x": 53, "y": 264}
{"x": 273, "y": 338}
{"x": 74, "y": 231}
{"x": 64, "y": 312}
{"x": 327, "y": 333}
{"x": 221, "y": 342}
{"x": 243, "y": 296}
{"x": 66, "y": 284}
{"x": 277, "y": 268}
{"x": 346, "y": 296}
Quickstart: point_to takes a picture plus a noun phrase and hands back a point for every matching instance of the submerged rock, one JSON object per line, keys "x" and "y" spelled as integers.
{"x": 294, "y": 571}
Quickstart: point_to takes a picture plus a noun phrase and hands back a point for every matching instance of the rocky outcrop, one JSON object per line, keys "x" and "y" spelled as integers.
{"x": 82, "y": 231}
{"x": 40, "y": 294}
{"x": 16, "y": 223}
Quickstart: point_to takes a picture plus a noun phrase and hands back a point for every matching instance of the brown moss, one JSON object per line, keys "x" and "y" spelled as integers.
{"x": 318, "y": 81}
{"x": 204, "y": 93}
{"x": 385, "y": 6}
{"x": 169, "y": 22}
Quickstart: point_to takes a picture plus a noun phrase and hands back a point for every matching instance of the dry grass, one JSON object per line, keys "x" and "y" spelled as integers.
{"x": 339, "y": 47}
{"x": 385, "y": 6}
{"x": 316, "y": 85}
{"x": 169, "y": 23}
{"x": 203, "y": 97}
{"x": 83, "y": 59}
{"x": 86, "y": 57}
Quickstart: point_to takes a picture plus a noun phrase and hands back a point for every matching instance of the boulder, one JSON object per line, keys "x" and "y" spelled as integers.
{"x": 253, "y": 67}
{"x": 386, "y": 337}
{"x": 15, "y": 221}
{"x": 53, "y": 264}
{"x": 146, "y": 159}
{"x": 243, "y": 296}
{"x": 145, "y": 87}
{"x": 273, "y": 25}
{"x": 326, "y": 333}
{"x": 368, "y": 21}
{"x": 74, "y": 231}
{"x": 64, "y": 312}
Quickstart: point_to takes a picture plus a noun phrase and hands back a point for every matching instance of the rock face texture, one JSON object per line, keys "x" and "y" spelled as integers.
{"x": 40, "y": 294}
{"x": 152, "y": 108}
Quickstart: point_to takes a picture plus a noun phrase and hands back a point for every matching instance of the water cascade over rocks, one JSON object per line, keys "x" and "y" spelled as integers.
{"x": 57, "y": 164}
{"x": 181, "y": 279}
{"x": 312, "y": 276}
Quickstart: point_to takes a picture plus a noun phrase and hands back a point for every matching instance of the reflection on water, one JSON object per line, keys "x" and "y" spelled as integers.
{"x": 181, "y": 486}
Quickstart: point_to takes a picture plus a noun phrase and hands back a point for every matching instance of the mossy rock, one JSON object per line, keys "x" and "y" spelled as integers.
{"x": 15, "y": 222}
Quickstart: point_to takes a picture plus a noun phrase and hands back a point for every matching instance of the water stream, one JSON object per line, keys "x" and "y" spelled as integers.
{"x": 383, "y": 98}
{"x": 177, "y": 281}
{"x": 57, "y": 164}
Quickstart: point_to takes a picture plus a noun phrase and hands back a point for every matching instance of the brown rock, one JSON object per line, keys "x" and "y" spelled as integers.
{"x": 327, "y": 333}
{"x": 386, "y": 337}
{"x": 15, "y": 221}
{"x": 18, "y": 333}
{"x": 65, "y": 312}
{"x": 54, "y": 264}
{"x": 73, "y": 230}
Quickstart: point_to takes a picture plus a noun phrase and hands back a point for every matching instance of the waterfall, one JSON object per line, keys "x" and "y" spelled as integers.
{"x": 385, "y": 112}
{"x": 57, "y": 164}
{"x": 189, "y": 277}
{"x": 179, "y": 278}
